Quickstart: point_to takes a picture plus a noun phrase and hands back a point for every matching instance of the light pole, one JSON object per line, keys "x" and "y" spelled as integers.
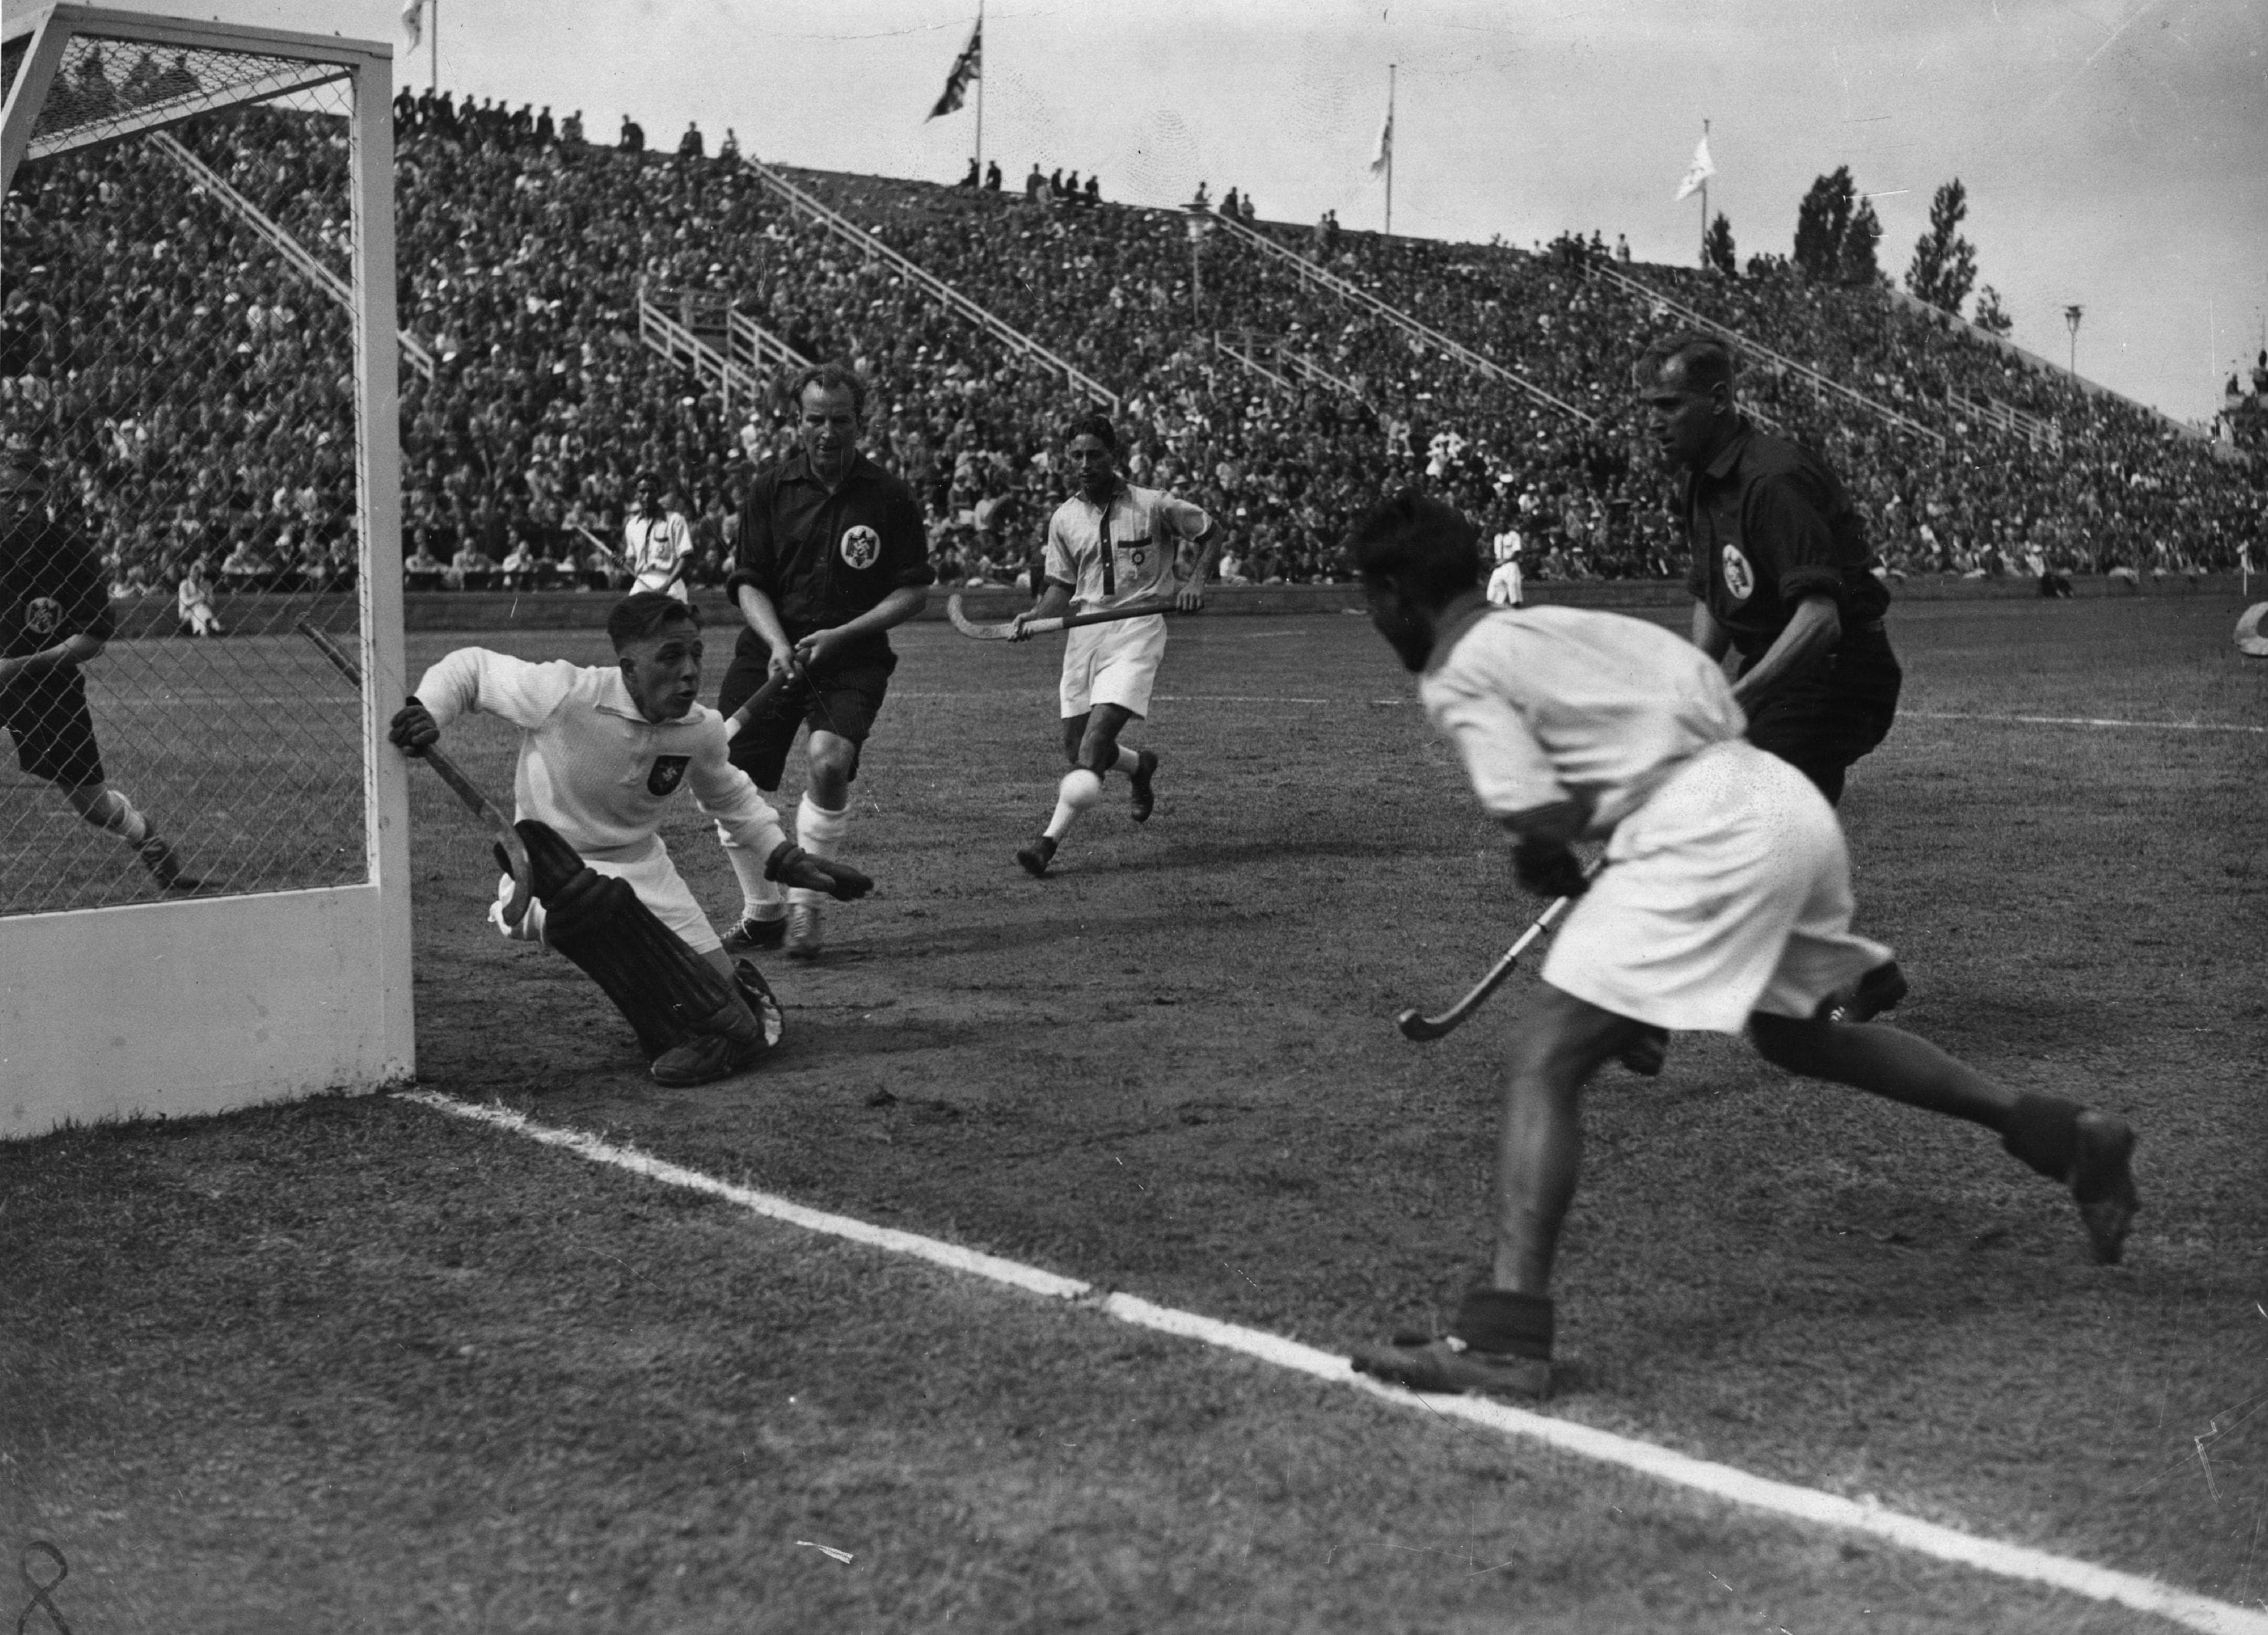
{"x": 2070, "y": 317}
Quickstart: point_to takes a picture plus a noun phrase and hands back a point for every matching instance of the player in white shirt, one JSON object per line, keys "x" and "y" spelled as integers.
{"x": 1111, "y": 545}
{"x": 657, "y": 542}
{"x": 601, "y": 752}
{"x": 1504, "y": 584}
{"x": 1724, "y": 904}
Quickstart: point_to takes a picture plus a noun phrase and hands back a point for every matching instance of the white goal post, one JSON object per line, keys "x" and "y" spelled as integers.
{"x": 213, "y": 426}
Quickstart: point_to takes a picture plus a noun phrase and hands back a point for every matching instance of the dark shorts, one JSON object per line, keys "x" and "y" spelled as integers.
{"x": 1826, "y": 720}
{"x": 47, "y": 716}
{"x": 844, "y": 698}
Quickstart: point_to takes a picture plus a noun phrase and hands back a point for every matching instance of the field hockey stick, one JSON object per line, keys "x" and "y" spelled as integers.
{"x": 508, "y": 840}
{"x": 1007, "y": 628}
{"x": 795, "y": 675}
{"x": 1416, "y": 1025}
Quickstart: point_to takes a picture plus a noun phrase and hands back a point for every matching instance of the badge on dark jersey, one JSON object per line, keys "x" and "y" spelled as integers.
{"x": 1740, "y": 579}
{"x": 43, "y": 615}
{"x": 668, "y": 772}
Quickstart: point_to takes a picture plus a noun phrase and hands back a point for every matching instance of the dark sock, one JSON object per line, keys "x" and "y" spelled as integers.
{"x": 2042, "y": 1130}
{"x": 1510, "y": 1324}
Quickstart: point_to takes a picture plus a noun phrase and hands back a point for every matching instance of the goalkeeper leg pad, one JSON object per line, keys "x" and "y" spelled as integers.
{"x": 669, "y": 994}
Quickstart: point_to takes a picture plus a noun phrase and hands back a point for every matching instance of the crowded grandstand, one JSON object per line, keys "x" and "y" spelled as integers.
{"x": 583, "y": 314}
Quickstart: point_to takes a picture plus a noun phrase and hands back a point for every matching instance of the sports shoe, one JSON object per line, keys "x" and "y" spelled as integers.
{"x": 2102, "y": 1182}
{"x": 1879, "y": 990}
{"x": 734, "y": 1040}
{"x": 1036, "y": 856}
{"x": 803, "y": 934}
{"x": 1645, "y": 1055}
{"x": 1447, "y": 1365}
{"x": 1146, "y": 798}
{"x": 756, "y": 935}
{"x": 158, "y": 858}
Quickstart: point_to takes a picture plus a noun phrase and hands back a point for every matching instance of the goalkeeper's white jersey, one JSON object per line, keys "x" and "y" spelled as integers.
{"x": 1124, "y": 551}
{"x": 591, "y": 765}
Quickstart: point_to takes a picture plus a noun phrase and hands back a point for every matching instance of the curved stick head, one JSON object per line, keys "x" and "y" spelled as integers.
{"x": 1414, "y": 1025}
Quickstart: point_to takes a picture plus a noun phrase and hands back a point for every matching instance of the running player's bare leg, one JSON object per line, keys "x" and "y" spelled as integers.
{"x": 1091, "y": 745}
{"x": 2088, "y": 1151}
{"x": 109, "y": 809}
{"x": 1558, "y": 1041}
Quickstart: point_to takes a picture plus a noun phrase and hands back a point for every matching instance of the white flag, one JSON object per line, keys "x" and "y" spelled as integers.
{"x": 1384, "y": 157}
{"x": 1701, "y": 171}
{"x": 413, "y": 21}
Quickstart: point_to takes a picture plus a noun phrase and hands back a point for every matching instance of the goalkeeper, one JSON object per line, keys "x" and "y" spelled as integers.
{"x": 602, "y": 751}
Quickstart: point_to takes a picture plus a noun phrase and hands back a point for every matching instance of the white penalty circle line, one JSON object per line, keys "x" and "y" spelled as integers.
{"x": 1802, "y": 1504}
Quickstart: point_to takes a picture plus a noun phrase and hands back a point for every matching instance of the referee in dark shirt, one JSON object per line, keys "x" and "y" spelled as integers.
{"x": 831, "y": 554}
{"x": 1782, "y": 572}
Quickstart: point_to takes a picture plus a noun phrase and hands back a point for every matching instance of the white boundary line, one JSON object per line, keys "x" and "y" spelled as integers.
{"x": 2077, "y": 720}
{"x": 1783, "y": 1498}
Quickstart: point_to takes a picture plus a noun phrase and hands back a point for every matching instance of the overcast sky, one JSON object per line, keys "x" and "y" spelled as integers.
{"x": 2115, "y": 151}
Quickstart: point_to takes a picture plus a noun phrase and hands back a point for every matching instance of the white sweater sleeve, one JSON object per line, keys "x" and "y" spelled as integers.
{"x": 497, "y": 684}
{"x": 744, "y": 817}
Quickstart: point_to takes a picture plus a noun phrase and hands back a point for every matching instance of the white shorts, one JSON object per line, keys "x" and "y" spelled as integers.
{"x": 1728, "y": 892}
{"x": 1112, "y": 664}
{"x": 650, "y": 874}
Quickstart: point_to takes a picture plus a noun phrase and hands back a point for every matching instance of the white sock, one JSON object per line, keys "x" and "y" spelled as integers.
{"x": 121, "y": 818}
{"x": 761, "y": 899}
{"x": 819, "y": 832}
{"x": 1128, "y": 760}
{"x": 1080, "y": 789}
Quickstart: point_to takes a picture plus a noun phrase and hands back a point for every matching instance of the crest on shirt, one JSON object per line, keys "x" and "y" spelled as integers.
{"x": 862, "y": 547}
{"x": 1740, "y": 579}
{"x": 42, "y": 615}
{"x": 668, "y": 772}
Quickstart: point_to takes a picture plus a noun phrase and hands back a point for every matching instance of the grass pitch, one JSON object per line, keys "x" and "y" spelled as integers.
{"x": 354, "y": 1360}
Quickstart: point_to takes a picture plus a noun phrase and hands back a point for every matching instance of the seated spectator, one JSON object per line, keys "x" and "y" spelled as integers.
{"x": 471, "y": 568}
{"x": 244, "y": 570}
{"x": 422, "y": 569}
{"x": 193, "y": 601}
{"x": 518, "y": 566}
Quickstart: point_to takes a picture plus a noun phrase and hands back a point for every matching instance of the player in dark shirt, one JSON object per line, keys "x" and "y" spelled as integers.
{"x": 1781, "y": 571}
{"x": 54, "y": 616}
{"x": 831, "y": 554}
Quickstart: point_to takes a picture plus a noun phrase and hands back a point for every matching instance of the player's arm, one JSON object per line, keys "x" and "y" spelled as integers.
{"x": 1194, "y": 524}
{"x": 1062, "y": 581}
{"x": 1708, "y": 635}
{"x": 1810, "y": 636}
{"x": 1054, "y": 603}
{"x": 1517, "y": 784}
{"x": 76, "y": 649}
{"x": 905, "y": 555}
{"x": 1785, "y": 513}
{"x": 746, "y": 820}
{"x": 474, "y": 679}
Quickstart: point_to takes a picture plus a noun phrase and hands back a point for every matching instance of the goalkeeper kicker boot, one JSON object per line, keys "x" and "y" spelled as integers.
{"x": 1036, "y": 856}
{"x": 803, "y": 936}
{"x": 731, "y": 1039}
{"x": 164, "y": 866}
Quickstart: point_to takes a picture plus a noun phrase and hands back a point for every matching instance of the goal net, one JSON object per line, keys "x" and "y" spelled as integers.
{"x": 197, "y": 457}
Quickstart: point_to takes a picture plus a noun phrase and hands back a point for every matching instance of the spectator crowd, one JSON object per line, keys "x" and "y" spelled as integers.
{"x": 193, "y": 397}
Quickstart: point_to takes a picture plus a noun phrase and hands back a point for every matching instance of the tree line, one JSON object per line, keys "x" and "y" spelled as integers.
{"x": 1837, "y": 235}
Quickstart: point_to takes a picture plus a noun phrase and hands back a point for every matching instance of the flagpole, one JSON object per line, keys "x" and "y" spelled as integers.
{"x": 1389, "y": 149}
{"x": 1704, "y": 202}
{"x": 436, "y": 48}
{"x": 980, "y": 87}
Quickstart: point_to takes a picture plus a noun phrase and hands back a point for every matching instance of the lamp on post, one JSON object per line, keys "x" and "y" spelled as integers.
{"x": 2070, "y": 317}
